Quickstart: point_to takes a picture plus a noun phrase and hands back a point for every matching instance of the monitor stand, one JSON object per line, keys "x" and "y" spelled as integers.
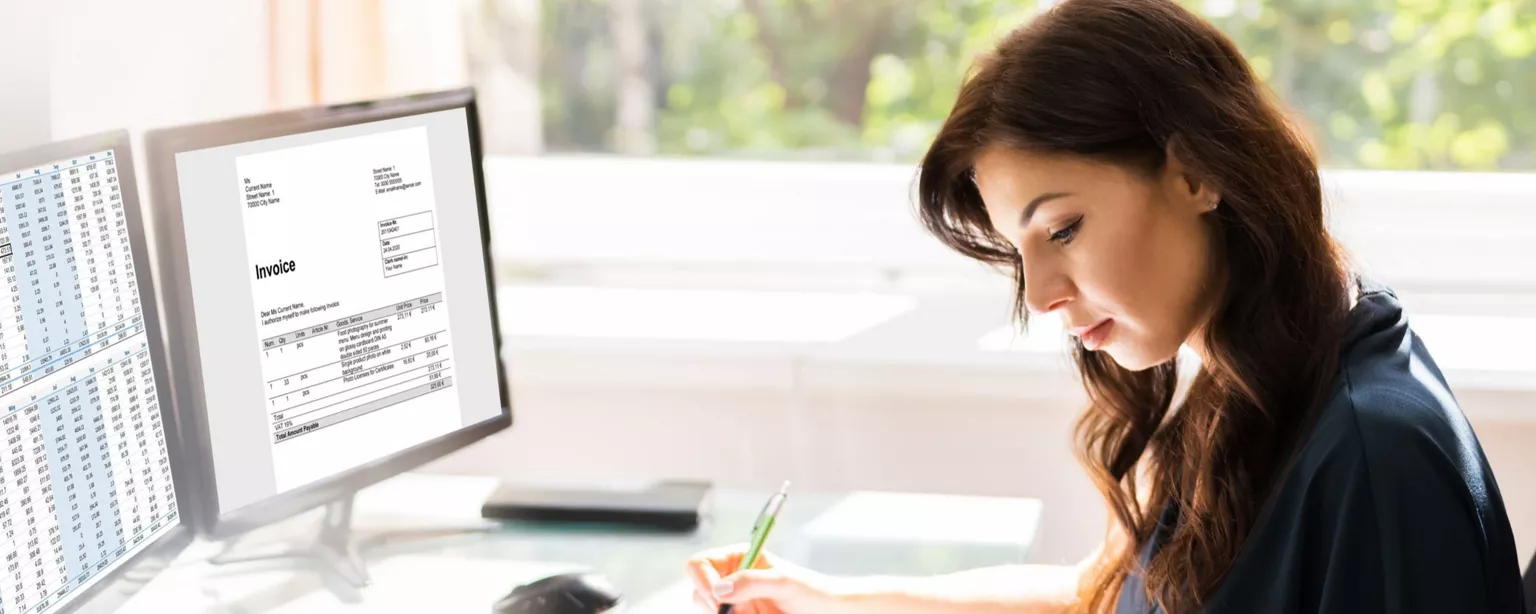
{"x": 337, "y": 550}
{"x": 334, "y": 551}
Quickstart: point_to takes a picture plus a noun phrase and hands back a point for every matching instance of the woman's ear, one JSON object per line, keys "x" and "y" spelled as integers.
{"x": 1183, "y": 182}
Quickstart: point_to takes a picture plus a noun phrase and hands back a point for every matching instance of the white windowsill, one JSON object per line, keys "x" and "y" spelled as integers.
{"x": 882, "y": 344}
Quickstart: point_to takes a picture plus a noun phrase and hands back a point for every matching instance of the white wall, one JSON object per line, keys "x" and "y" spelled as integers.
{"x": 154, "y": 63}
{"x": 24, "y": 95}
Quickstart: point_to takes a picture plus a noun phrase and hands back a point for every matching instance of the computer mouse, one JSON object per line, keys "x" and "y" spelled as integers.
{"x": 570, "y": 593}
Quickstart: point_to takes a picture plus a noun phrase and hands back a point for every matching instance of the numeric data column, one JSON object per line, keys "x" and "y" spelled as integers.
{"x": 46, "y": 570}
{"x": 111, "y": 232}
{"x": 13, "y": 332}
{"x": 88, "y": 261}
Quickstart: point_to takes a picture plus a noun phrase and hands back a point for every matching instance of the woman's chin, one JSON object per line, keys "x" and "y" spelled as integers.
{"x": 1133, "y": 358}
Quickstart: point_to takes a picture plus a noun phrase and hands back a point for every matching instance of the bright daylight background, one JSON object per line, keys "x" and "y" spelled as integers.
{"x": 707, "y": 257}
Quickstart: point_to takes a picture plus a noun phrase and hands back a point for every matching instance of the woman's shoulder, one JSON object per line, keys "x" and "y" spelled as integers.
{"x": 1393, "y": 434}
{"x": 1392, "y": 401}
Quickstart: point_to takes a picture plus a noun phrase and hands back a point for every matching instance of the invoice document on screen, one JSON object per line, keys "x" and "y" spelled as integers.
{"x": 349, "y": 300}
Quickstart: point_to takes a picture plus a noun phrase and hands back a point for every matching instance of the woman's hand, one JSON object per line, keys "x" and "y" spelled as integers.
{"x": 776, "y": 586}
{"x": 772, "y": 586}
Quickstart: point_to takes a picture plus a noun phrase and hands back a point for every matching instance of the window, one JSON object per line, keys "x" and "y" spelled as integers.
{"x": 1382, "y": 84}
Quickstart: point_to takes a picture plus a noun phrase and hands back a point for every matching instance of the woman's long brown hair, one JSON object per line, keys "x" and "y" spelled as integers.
{"x": 1125, "y": 81}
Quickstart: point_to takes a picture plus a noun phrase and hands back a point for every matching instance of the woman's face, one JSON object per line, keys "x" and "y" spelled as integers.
{"x": 1126, "y": 258}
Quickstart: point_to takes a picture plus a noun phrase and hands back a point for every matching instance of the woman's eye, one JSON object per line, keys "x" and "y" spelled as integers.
{"x": 1065, "y": 235}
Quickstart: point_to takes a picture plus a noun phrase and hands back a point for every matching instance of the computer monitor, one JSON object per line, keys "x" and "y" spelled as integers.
{"x": 332, "y": 317}
{"x": 87, "y": 478}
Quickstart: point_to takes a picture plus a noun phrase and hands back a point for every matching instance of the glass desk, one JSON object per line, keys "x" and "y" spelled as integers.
{"x": 427, "y": 549}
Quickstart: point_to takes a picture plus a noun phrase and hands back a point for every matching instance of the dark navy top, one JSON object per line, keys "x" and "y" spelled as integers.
{"x": 1390, "y": 506}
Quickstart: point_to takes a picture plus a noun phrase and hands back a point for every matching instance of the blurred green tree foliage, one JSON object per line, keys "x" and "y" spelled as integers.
{"x": 1384, "y": 84}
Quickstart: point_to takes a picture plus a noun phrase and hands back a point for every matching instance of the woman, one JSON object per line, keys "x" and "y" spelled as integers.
{"x": 1122, "y": 161}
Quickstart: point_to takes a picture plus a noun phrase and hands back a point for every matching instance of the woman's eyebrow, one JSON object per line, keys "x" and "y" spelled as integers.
{"x": 1029, "y": 210}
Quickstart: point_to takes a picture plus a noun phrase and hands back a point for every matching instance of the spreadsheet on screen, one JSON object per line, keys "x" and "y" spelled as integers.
{"x": 85, "y": 478}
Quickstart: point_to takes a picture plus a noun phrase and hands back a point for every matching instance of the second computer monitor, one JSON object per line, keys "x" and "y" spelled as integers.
{"x": 329, "y": 275}
{"x": 88, "y": 493}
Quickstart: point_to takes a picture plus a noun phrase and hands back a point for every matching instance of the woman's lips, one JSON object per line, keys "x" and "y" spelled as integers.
{"x": 1095, "y": 336}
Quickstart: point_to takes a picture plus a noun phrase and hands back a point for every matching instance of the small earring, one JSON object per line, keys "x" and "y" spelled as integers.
{"x": 1214, "y": 203}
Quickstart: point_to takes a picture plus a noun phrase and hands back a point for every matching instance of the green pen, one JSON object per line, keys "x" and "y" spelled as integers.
{"x": 765, "y": 521}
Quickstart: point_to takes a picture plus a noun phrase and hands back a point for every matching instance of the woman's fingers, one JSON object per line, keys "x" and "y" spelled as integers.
{"x": 707, "y": 569}
{"x": 752, "y": 584}
{"x": 705, "y": 604}
{"x": 703, "y": 573}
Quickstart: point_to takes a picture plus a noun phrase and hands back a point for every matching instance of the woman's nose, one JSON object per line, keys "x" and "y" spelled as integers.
{"x": 1045, "y": 306}
{"x": 1045, "y": 292}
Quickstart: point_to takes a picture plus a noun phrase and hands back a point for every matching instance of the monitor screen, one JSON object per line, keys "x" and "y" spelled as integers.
{"x": 339, "y": 286}
{"x": 85, "y": 476}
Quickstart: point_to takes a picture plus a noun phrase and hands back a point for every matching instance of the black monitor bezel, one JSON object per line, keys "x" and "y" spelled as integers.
{"x": 110, "y": 591}
{"x": 161, "y": 147}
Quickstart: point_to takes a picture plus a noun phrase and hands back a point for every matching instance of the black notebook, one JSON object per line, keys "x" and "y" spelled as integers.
{"x": 674, "y": 505}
